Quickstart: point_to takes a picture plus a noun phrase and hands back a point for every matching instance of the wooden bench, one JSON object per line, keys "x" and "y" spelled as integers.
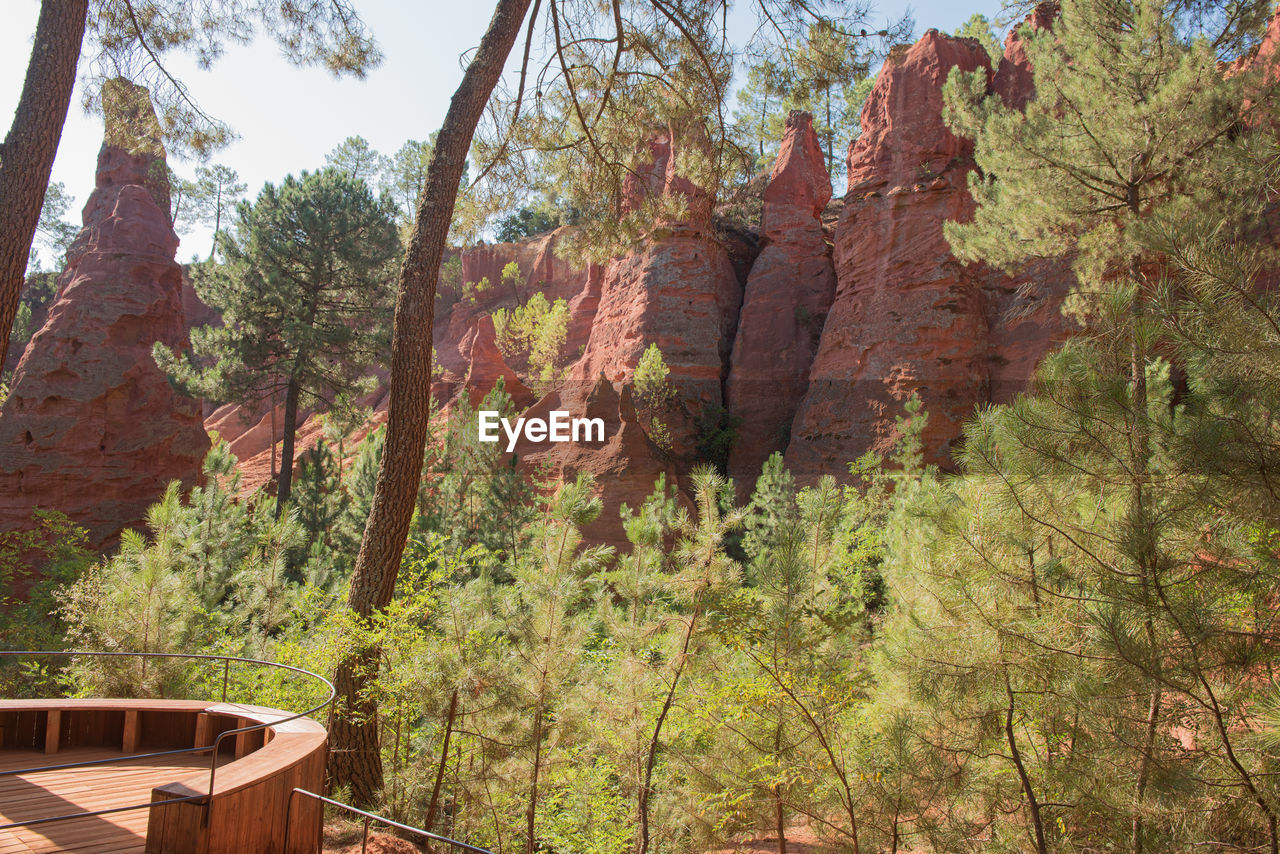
{"x": 256, "y": 771}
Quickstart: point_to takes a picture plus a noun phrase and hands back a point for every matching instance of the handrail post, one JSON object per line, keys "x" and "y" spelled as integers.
{"x": 364, "y": 841}
{"x": 288, "y": 819}
{"x": 226, "y": 672}
{"x": 319, "y": 824}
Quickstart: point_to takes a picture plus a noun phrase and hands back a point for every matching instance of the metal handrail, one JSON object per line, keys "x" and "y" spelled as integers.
{"x": 214, "y": 747}
{"x": 111, "y": 760}
{"x": 69, "y": 816}
{"x": 369, "y": 816}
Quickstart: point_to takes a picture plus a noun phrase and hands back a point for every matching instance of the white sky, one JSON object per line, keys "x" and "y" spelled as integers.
{"x": 289, "y": 118}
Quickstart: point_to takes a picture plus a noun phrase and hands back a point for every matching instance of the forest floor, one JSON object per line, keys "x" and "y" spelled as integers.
{"x": 344, "y": 838}
{"x": 800, "y": 840}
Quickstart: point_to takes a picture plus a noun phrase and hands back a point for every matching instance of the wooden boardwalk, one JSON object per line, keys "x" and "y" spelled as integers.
{"x": 49, "y": 793}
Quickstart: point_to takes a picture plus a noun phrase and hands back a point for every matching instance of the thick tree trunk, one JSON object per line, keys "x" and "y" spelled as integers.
{"x": 285, "y": 485}
{"x": 356, "y": 761}
{"x": 26, "y": 158}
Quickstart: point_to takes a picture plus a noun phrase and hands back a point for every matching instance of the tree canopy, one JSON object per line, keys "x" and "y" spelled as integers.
{"x": 305, "y": 300}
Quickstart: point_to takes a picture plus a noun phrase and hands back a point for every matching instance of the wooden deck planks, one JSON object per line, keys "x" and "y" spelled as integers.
{"x": 256, "y": 772}
{"x": 47, "y": 793}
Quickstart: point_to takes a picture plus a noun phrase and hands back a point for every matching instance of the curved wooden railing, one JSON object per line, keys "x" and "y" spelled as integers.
{"x": 249, "y": 807}
{"x": 257, "y": 757}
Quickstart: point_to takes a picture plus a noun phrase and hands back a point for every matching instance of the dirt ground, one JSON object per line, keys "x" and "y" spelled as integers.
{"x": 800, "y": 840}
{"x": 344, "y": 838}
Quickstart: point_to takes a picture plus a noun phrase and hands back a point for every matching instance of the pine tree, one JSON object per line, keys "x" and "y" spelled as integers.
{"x": 404, "y": 174}
{"x": 356, "y": 159}
{"x": 469, "y": 493}
{"x": 655, "y": 67}
{"x": 317, "y": 497}
{"x": 979, "y": 27}
{"x": 358, "y": 487}
{"x": 704, "y": 575}
{"x": 304, "y": 297}
{"x": 635, "y": 618}
{"x": 218, "y": 189}
{"x": 1133, "y": 122}
{"x": 760, "y": 102}
{"x": 548, "y": 589}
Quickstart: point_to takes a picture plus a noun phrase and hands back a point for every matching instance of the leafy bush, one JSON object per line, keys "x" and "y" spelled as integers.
{"x": 655, "y": 396}
{"x": 535, "y": 331}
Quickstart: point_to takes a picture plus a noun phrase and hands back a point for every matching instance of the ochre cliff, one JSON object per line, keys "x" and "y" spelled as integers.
{"x": 814, "y": 343}
{"x": 678, "y": 290}
{"x": 788, "y": 293}
{"x": 92, "y": 427}
{"x": 908, "y": 317}
{"x": 813, "y": 331}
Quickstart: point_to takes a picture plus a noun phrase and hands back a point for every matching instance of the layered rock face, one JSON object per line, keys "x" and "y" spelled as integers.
{"x": 92, "y": 427}
{"x": 541, "y": 271}
{"x": 488, "y": 366}
{"x": 818, "y": 351}
{"x": 907, "y": 316}
{"x": 625, "y": 464}
{"x": 678, "y": 290}
{"x": 788, "y": 293}
{"x": 1012, "y": 80}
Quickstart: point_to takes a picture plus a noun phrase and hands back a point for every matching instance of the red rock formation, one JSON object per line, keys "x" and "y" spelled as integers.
{"x": 903, "y": 137}
{"x": 678, "y": 291}
{"x": 907, "y": 316}
{"x": 1269, "y": 50}
{"x": 1263, "y": 56}
{"x": 1012, "y": 80}
{"x": 582, "y": 313}
{"x": 197, "y": 311}
{"x": 487, "y": 367}
{"x": 625, "y": 465}
{"x": 92, "y": 427}
{"x": 1023, "y": 312}
{"x": 542, "y": 270}
{"x": 650, "y": 175}
{"x": 785, "y": 304}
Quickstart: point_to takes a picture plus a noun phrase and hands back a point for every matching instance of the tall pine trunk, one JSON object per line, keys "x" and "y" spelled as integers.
{"x": 1143, "y": 535}
{"x": 217, "y": 221}
{"x": 26, "y": 157}
{"x": 356, "y": 761}
{"x": 285, "y": 485}
{"x": 779, "y": 808}
{"x": 531, "y": 813}
{"x": 1028, "y": 791}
